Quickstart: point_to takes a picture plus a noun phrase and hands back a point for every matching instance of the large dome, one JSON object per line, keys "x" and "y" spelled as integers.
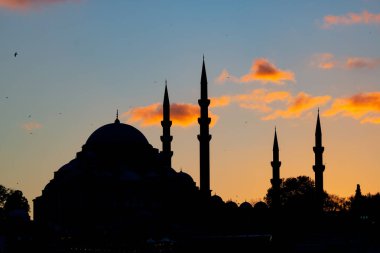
{"x": 117, "y": 134}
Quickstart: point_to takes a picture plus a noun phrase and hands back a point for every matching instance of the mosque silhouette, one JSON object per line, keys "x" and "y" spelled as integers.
{"x": 120, "y": 186}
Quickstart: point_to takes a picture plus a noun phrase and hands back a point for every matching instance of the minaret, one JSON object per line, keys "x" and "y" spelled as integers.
{"x": 204, "y": 137}
{"x": 166, "y": 138}
{"x": 276, "y": 181}
{"x": 318, "y": 167}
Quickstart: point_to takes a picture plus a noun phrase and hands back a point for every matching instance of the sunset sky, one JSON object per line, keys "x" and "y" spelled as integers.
{"x": 269, "y": 63}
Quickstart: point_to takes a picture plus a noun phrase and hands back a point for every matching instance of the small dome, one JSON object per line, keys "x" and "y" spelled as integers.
{"x": 185, "y": 177}
{"x": 245, "y": 205}
{"x": 117, "y": 134}
{"x": 261, "y": 206}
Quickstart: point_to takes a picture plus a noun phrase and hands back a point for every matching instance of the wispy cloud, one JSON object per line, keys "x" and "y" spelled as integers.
{"x": 226, "y": 77}
{"x": 324, "y": 61}
{"x": 259, "y": 99}
{"x": 262, "y": 70}
{"x": 29, "y": 4}
{"x": 183, "y": 115}
{"x": 363, "y": 106}
{"x": 298, "y": 105}
{"x": 351, "y": 18}
{"x": 220, "y": 101}
{"x": 30, "y": 126}
{"x": 328, "y": 61}
{"x": 362, "y": 62}
{"x": 278, "y": 104}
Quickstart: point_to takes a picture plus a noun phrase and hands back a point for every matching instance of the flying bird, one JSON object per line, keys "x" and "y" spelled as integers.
{"x": 15, "y": 54}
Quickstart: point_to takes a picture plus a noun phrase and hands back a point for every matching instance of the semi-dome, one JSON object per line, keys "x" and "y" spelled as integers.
{"x": 117, "y": 134}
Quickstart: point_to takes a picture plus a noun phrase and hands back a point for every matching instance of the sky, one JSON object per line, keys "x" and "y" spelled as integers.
{"x": 269, "y": 64}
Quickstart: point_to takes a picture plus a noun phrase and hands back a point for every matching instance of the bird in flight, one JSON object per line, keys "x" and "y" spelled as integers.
{"x": 15, "y": 54}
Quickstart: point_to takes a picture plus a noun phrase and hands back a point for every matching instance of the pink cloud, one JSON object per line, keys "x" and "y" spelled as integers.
{"x": 361, "y": 62}
{"x": 324, "y": 61}
{"x": 29, "y": 4}
{"x": 30, "y": 126}
{"x": 351, "y": 18}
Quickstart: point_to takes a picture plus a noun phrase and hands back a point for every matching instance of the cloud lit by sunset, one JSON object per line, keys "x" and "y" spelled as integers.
{"x": 30, "y": 126}
{"x": 262, "y": 71}
{"x": 351, "y": 18}
{"x": 266, "y": 72}
{"x": 224, "y": 76}
{"x": 361, "y": 62}
{"x": 259, "y": 99}
{"x": 220, "y": 101}
{"x": 27, "y": 4}
{"x": 363, "y": 106}
{"x": 183, "y": 115}
{"x": 324, "y": 61}
{"x": 298, "y": 105}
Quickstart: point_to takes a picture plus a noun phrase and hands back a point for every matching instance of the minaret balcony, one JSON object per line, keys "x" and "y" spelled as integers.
{"x": 204, "y": 102}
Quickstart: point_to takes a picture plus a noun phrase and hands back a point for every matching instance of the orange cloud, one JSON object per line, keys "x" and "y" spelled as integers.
{"x": 183, "y": 115}
{"x": 363, "y": 106}
{"x": 30, "y": 126}
{"x": 260, "y": 98}
{"x": 351, "y": 18}
{"x": 303, "y": 102}
{"x": 324, "y": 61}
{"x": 264, "y": 71}
{"x": 28, "y": 4}
{"x": 373, "y": 120}
{"x": 361, "y": 62}
{"x": 220, "y": 101}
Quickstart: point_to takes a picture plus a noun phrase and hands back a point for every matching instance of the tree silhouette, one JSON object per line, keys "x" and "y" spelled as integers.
{"x": 297, "y": 194}
{"x": 334, "y": 203}
{"x": 16, "y": 201}
{"x": 4, "y": 192}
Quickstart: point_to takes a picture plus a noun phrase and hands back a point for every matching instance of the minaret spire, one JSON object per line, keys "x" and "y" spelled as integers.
{"x": 276, "y": 181}
{"x": 204, "y": 137}
{"x": 319, "y": 167}
{"x": 166, "y": 138}
{"x": 117, "y": 116}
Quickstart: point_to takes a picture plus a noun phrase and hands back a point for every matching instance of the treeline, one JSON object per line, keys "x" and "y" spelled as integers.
{"x": 13, "y": 205}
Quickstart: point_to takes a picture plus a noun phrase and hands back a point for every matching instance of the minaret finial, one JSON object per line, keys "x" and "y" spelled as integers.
{"x": 117, "y": 116}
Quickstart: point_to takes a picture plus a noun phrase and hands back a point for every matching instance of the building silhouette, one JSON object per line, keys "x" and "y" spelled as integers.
{"x": 119, "y": 185}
